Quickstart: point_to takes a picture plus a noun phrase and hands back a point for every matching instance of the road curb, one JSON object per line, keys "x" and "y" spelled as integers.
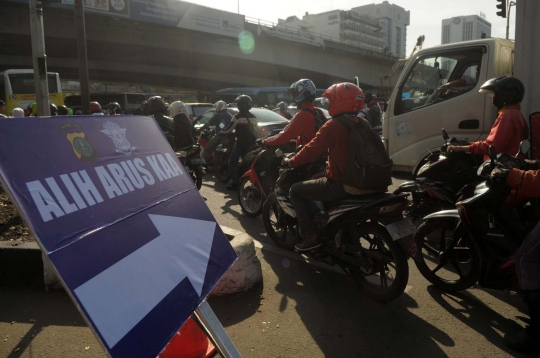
{"x": 23, "y": 266}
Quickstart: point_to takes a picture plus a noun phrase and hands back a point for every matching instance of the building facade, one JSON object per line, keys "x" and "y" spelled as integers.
{"x": 347, "y": 26}
{"x": 464, "y": 28}
{"x": 393, "y": 20}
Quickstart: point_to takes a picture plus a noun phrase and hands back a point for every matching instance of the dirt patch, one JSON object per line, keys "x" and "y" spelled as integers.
{"x": 12, "y": 227}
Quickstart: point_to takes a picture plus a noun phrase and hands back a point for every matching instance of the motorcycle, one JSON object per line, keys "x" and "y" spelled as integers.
{"x": 221, "y": 160}
{"x": 476, "y": 242}
{"x": 439, "y": 179}
{"x": 259, "y": 180}
{"x": 190, "y": 156}
{"x": 362, "y": 234}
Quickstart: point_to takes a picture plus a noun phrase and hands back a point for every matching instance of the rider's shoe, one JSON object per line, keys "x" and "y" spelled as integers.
{"x": 310, "y": 243}
{"x": 232, "y": 186}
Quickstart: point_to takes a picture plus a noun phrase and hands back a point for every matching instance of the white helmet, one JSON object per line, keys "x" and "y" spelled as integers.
{"x": 220, "y": 106}
{"x": 176, "y": 108}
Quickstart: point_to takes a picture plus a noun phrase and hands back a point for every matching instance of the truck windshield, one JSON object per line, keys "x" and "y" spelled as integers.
{"x": 437, "y": 78}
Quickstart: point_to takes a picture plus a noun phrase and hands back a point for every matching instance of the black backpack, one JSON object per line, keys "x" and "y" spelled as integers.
{"x": 368, "y": 165}
{"x": 320, "y": 118}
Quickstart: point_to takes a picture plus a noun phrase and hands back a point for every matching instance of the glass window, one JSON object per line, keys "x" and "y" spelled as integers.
{"x": 198, "y": 110}
{"x": 23, "y": 83}
{"x": 437, "y": 78}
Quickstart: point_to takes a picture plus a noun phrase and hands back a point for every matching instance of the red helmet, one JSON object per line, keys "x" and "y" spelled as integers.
{"x": 95, "y": 107}
{"x": 344, "y": 98}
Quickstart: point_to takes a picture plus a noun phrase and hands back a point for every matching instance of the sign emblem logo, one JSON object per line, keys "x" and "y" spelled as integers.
{"x": 81, "y": 146}
{"x": 118, "y": 136}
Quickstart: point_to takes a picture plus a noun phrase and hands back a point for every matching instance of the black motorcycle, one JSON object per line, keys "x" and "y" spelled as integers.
{"x": 362, "y": 234}
{"x": 190, "y": 156}
{"x": 454, "y": 249}
{"x": 439, "y": 179}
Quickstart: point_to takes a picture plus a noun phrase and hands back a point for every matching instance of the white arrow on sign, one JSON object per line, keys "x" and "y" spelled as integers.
{"x": 118, "y": 298}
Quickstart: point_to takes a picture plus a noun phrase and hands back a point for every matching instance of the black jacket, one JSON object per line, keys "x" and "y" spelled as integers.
{"x": 218, "y": 118}
{"x": 182, "y": 131}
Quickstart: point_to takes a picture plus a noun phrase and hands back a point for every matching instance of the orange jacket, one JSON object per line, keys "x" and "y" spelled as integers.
{"x": 301, "y": 128}
{"x": 509, "y": 129}
{"x": 333, "y": 137}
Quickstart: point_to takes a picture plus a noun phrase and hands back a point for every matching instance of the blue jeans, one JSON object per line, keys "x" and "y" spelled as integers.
{"x": 236, "y": 153}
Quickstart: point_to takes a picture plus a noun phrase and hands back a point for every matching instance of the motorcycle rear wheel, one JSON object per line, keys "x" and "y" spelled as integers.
{"x": 221, "y": 167}
{"x": 454, "y": 270}
{"x": 250, "y": 197}
{"x": 391, "y": 280}
{"x": 279, "y": 225}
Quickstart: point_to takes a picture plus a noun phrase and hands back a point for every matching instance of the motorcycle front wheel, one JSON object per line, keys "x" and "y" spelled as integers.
{"x": 281, "y": 228}
{"x": 384, "y": 278}
{"x": 221, "y": 166}
{"x": 196, "y": 175}
{"x": 448, "y": 262}
{"x": 250, "y": 197}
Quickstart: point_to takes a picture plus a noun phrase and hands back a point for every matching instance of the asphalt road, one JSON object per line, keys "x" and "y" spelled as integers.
{"x": 301, "y": 309}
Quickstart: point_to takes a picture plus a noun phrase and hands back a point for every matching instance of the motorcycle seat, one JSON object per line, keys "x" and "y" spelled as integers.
{"x": 370, "y": 200}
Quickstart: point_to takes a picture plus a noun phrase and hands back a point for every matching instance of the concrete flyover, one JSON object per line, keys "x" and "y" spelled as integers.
{"x": 127, "y": 51}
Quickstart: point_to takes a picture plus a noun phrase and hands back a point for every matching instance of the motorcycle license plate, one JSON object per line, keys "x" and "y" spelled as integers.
{"x": 401, "y": 229}
{"x": 196, "y": 161}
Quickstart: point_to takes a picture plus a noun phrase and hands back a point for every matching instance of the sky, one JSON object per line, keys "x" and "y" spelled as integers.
{"x": 426, "y": 15}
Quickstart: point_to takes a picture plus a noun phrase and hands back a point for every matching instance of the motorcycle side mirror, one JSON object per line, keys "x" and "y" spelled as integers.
{"x": 356, "y": 81}
{"x": 445, "y": 135}
{"x": 279, "y": 153}
{"x": 524, "y": 147}
{"x": 299, "y": 148}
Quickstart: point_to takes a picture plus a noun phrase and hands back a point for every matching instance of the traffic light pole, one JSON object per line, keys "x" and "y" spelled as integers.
{"x": 82, "y": 55}
{"x": 510, "y": 4}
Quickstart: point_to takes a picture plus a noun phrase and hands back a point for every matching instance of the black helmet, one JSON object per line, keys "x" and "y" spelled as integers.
{"x": 62, "y": 110}
{"x": 54, "y": 109}
{"x": 244, "y": 102}
{"x": 155, "y": 104}
{"x": 509, "y": 89}
{"x": 114, "y": 108}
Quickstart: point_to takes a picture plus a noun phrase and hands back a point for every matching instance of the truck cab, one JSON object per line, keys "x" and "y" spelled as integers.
{"x": 438, "y": 88}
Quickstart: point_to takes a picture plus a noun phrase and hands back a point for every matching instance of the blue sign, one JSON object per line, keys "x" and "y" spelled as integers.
{"x": 120, "y": 220}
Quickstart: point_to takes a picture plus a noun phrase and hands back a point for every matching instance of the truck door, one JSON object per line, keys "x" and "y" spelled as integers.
{"x": 439, "y": 90}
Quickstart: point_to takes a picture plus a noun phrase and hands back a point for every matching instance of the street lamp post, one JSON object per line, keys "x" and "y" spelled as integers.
{"x": 510, "y": 4}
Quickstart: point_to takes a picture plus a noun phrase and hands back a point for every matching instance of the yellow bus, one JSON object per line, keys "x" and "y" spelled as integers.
{"x": 17, "y": 88}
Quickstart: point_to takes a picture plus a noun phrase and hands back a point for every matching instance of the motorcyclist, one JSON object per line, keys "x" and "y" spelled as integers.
{"x": 282, "y": 106}
{"x": 156, "y": 107}
{"x": 371, "y": 112}
{"x": 63, "y": 110}
{"x": 182, "y": 126}
{"x": 244, "y": 124}
{"x": 510, "y": 127}
{"x": 220, "y": 119}
{"x": 346, "y": 100}
{"x": 53, "y": 109}
{"x": 526, "y": 184}
{"x": 113, "y": 108}
{"x": 302, "y": 126}
{"x": 95, "y": 109}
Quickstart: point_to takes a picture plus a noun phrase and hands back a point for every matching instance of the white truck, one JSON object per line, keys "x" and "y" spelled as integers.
{"x": 438, "y": 88}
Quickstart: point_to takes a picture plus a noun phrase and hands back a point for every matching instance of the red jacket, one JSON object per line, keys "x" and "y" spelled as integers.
{"x": 526, "y": 183}
{"x": 509, "y": 129}
{"x": 301, "y": 127}
{"x": 332, "y": 137}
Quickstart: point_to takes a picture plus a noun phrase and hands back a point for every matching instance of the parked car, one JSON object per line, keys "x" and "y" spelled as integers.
{"x": 270, "y": 123}
{"x": 196, "y": 109}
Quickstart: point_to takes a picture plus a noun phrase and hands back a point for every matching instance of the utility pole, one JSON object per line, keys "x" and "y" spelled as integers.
{"x": 510, "y": 4}
{"x": 83, "y": 60}
{"x": 39, "y": 58}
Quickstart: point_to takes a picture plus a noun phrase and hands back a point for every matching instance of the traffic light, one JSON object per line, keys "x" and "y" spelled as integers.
{"x": 502, "y": 8}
